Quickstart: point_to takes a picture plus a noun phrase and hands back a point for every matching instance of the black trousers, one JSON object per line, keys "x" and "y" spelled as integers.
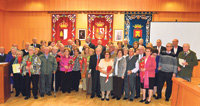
{"x": 76, "y": 76}
{"x": 95, "y": 83}
{"x": 162, "y": 78}
{"x": 66, "y": 81}
{"x": 117, "y": 86}
{"x": 58, "y": 80}
{"x": 19, "y": 84}
{"x": 137, "y": 85}
{"x": 34, "y": 79}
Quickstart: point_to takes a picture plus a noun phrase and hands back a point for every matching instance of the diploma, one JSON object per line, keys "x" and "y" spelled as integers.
{"x": 16, "y": 68}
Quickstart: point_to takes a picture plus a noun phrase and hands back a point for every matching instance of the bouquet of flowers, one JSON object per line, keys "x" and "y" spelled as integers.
{"x": 141, "y": 65}
{"x": 109, "y": 68}
{"x": 28, "y": 63}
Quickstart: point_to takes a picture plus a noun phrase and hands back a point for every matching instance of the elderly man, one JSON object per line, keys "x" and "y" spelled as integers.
{"x": 187, "y": 59}
{"x": 94, "y": 61}
{"x": 34, "y": 40}
{"x": 99, "y": 43}
{"x": 48, "y": 66}
{"x": 126, "y": 45}
{"x": 176, "y": 48}
{"x": 25, "y": 50}
{"x": 159, "y": 46}
{"x": 88, "y": 41}
{"x": 167, "y": 68}
{"x": 141, "y": 42}
{"x": 132, "y": 67}
{"x": 137, "y": 84}
{"x": 2, "y": 54}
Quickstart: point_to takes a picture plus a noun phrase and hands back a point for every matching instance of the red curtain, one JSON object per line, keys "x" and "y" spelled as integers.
{"x": 100, "y": 27}
{"x": 63, "y": 27}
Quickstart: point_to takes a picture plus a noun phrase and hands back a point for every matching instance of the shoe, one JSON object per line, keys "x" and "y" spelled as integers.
{"x": 11, "y": 91}
{"x": 35, "y": 97}
{"x": 99, "y": 96}
{"x": 102, "y": 99}
{"x": 118, "y": 99}
{"x": 147, "y": 102}
{"x": 49, "y": 94}
{"x": 107, "y": 99}
{"x": 42, "y": 95}
{"x": 131, "y": 100}
{"x": 142, "y": 100}
{"x": 26, "y": 98}
{"x": 113, "y": 97}
{"x": 68, "y": 91}
{"x": 154, "y": 96}
{"x": 167, "y": 100}
{"x": 158, "y": 98}
{"x": 137, "y": 97}
{"x": 125, "y": 98}
{"x": 92, "y": 96}
{"x": 16, "y": 95}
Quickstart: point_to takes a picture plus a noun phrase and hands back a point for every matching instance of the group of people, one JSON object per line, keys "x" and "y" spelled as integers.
{"x": 102, "y": 70}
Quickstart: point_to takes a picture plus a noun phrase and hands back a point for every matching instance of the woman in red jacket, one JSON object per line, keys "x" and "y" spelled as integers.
{"x": 147, "y": 74}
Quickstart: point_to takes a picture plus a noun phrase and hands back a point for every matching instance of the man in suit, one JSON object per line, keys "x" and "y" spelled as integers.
{"x": 132, "y": 67}
{"x": 94, "y": 61}
{"x": 99, "y": 43}
{"x": 25, "y": 51}
{"x": 176, "y": 48}
{"x": 88, "y": 41}
{"x": 159, "y": 46}
{"x": 126, "y": 44}
{"x": 2, "y": 54}
{"x": 34, "y": 44}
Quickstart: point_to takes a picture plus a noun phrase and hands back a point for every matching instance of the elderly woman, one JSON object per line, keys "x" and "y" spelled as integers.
{"x": 147, "y": 74}
{"x": 9, "y": 57}
{"x": 106, "y": 79}
{"x": 66, "y": 70}
{"x": 31, "y": 70}
{"x": 125, "y": 50}
{"x": 118, "y": 74}
{"x": 17, "y": 77}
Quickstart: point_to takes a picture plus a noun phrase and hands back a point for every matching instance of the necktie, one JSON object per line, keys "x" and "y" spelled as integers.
{"x": 185, "y": 53}
{"x": 97, "y": 63}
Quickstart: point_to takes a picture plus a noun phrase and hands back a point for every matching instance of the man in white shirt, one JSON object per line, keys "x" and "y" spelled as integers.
{"x": 176, "y": 48}
{"x": 159, "y": 46}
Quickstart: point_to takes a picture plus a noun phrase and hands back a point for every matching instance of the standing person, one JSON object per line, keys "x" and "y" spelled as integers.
{"x": 9, "y": 57}
{"x": 31, "y": 72}
{"x": 147, "y": 75}
{"x": 167, "y": 68}
{"x": 176, "y": 48}
{"x": 76, "y": 70}
{"x": 106, "y": 80}
{"x": 2, "y": 54}
{"x": 187, "y": 59}
{"x": 66, "y": 71}
{"x": 88, "y": 73}
{"x": 95, "y": 74}
{"x": 35, "y": 44}
{"x": 159, "y": 46}
{"x": 141, "y": 42}
{"x": 78, "y": 45}
{"x": 132, "y": 67}
{"x": 141, "y": 54}
{"x": 48, "y": 66}
{"x": 89, "y": 43}
{"x": 126, "y": 44}
{"x": 25, "y": 50}
{"x": 135, "y": 45}
{"x": 17, "y": 77}
{"x": 99, "y": 43}
{"x": 118, "y": 74}
{"x": 125, "y": 50}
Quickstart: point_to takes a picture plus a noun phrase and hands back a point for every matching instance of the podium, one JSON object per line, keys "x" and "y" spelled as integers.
{"x": 4, "y": 82}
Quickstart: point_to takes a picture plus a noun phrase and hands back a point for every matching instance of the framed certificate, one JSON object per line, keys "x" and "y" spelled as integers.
{"x": 16, "y": 68}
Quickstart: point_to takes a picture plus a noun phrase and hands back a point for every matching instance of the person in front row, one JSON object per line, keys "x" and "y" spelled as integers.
{"x": 132, "y": 67}
{"x": 147, "y": 75}
{"x": 118, "y": 74}
{"x": 48, "y": 66}
{"x": 106, "y": 80}
{"x": 187, "y": 59}
{"x": 167, "y": 67}
{"x": 31, "y": 72}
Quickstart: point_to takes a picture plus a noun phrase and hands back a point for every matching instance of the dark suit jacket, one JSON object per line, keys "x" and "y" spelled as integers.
{"x": 2, "y": 58}
{"x": 103, "y": 48}
{"x": 24, "y": 52}
{"x": 37, "y": 45}
{"x": 162, "y": 48}
{"x": 93, "y": 63}
{"x": 180, "y": 49}
{"x": 92, "y": 46}
{"x": 129, "y": 46}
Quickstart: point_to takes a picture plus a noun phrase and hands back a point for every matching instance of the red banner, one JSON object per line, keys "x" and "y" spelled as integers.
{"x": 100, "y": 27}
{"x": 63, "y": 27}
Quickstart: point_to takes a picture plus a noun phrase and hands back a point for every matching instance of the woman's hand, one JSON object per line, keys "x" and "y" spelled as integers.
{"x": 66, "y": 67}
